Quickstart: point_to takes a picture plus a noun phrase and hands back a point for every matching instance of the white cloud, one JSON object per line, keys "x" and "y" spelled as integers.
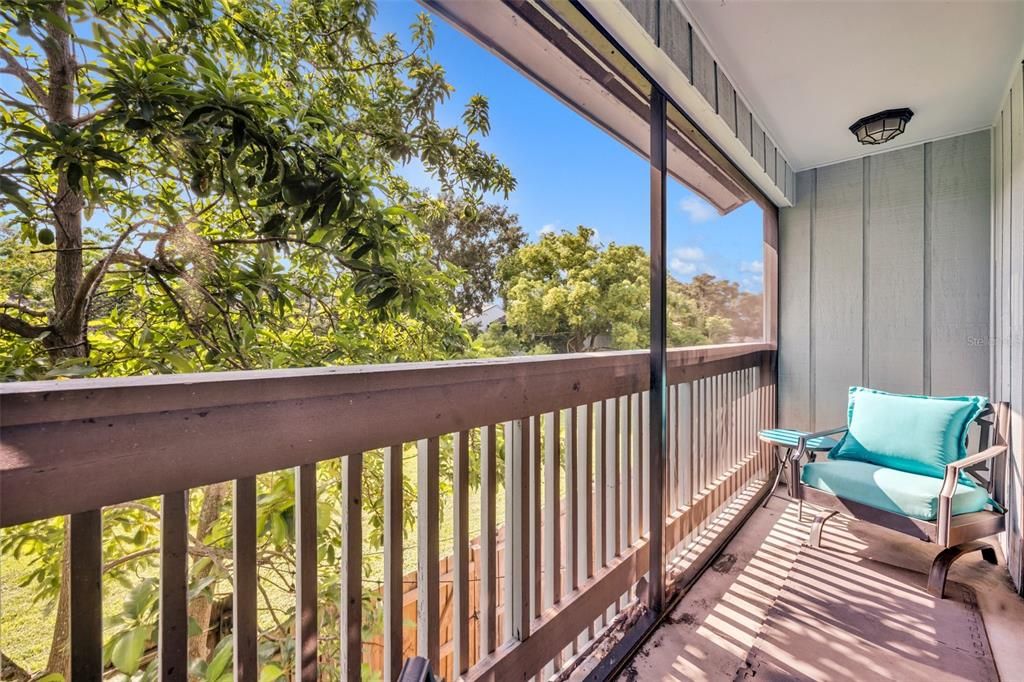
{"x": 698, "y": 210}
{"x": 687, "y": 260}
{"x": 694, "y": 253}
{"x": 752, "y": 283}
{"x": 683, "y": 268}
{"x": 549, "y": 228}
{"x": 754, "y": 267}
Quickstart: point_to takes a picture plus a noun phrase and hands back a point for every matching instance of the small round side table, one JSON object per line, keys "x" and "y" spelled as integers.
{"x": 789, "y": 439}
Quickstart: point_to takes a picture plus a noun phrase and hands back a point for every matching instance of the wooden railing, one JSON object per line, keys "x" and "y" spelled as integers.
{"x": 521, "y": 598}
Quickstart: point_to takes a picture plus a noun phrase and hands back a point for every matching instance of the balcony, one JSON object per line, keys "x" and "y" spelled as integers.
{"x": 592, "y": 515}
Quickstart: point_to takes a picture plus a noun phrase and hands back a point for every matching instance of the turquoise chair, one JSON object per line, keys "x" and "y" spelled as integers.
{"x": 903, "y": 464}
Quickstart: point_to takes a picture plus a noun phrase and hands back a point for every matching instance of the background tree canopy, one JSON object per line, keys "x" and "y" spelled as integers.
{"x": 567, "y": 293}
{"x": 473, "y": 240}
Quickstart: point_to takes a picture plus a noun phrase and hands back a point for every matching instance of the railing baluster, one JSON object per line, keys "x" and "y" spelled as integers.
{"x": 626, "y": 475}
{"x": 703, "y": 449}
{"x": 393, "y": 562}
{"x": 695, "y": 439}
{"x": 428, "y": 583}
{"x": 585, "y": 460}
{"x": 734, "y": 423}
{"x": 636, "y": 465}
{"x": 552, "y": 519}
{"x": 600, "y": 523}
{"x": 611, "y": 423}
{"x": 460, "y": 527}
{"x": 511, "y": 528}
{"x": 245, "y": 587}
{"x": 716, "y": 431}
{"x": 719, "y": 401}
{"x": 173, "y": 638}
{"x": 306, "y": 626}
{"x": 602, "y": 513}
{"x": 584, "y": 537}
{"x": 574, "y": 454}
{"x": 351, "y": 631}
{"x": 749, "y": 431}
{"x": 488, "y": 541}
{"x": 643, "y": 490}
{"x": 685, "y": 444}
{"x": 536, "y": 518}
{"x": 517, "y": 529}
{"x": 86, "y": 549}
{"x": 672, "y": 449}
{"x": 727, "y": 433}
{"x": 552, "y": 510}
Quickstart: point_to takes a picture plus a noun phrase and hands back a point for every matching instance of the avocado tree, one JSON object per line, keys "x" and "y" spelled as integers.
{"x": 207, "y": 184}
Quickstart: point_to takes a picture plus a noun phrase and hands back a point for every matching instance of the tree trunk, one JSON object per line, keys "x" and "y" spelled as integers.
{"x": 67, "y": 339}
{"x": 59, "y": 660}
{"x": 201, "y": 607}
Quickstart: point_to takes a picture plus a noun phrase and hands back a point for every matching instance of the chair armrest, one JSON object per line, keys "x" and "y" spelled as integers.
{"x": 802, "y": 441}
{"x": 971, "y": 460}
{"x": 953, "y": 469}
{"x": 949, "y": 483}
{"x": 798, "y": 454}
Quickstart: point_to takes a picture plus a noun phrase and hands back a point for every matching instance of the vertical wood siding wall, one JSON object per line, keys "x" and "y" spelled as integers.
{"x": 1008, "y": 297}
{"x": 884, "y": 279}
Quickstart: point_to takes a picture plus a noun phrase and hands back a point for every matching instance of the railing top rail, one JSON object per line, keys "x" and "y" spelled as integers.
{"x": 213, "y": 387}
{"x": 68, "y": 446}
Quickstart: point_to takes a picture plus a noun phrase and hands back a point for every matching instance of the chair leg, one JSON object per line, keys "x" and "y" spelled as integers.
{"x": 944, "y": 560}
{"x": 818, "y": 526}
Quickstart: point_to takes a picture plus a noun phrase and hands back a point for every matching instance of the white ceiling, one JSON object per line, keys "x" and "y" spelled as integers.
{"x": 809, "y": 69}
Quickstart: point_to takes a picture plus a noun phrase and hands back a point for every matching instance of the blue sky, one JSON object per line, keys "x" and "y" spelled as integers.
{"x": 569, "y": 172}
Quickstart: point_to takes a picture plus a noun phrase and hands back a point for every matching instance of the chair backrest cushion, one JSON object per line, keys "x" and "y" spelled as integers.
{"x": 913, "y": 433}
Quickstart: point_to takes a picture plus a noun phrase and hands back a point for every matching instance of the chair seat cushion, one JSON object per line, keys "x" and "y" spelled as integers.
{"x": 900, "y": 492}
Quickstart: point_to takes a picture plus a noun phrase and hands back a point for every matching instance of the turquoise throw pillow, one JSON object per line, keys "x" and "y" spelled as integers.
{"x": 912, "y": 433}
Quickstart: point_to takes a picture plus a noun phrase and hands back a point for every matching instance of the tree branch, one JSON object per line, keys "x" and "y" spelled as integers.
{"x": 20, "y": 327}
{"x": 127, "y": 558}
{"x": 22, "y": 308}
{"x": 87, "y": 287}
{"x": 15, "y": 68}
{"x": 85, "y": 118}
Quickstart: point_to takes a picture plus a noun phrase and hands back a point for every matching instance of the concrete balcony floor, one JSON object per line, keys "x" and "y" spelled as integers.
{"x": 772, "y": 608}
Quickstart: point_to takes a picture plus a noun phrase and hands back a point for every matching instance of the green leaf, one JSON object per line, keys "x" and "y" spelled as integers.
{"x": 139, "y": 598}
{"x": 127, "y": 652}
{"x": 270, "y": 673}
{"x": 179, "y": 363}
{"x": 382, "y": 299}
{"x": 278, "y": 529}
{"x": 220, "y": 660}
